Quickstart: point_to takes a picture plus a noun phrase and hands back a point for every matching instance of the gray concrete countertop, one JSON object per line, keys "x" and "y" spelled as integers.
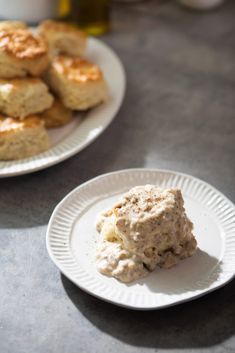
{"x": 178, "y": 114}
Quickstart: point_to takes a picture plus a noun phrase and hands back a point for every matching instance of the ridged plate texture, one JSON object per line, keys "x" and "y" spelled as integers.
{"x": 86, "y": 127}
{"x": 72, "y": 240}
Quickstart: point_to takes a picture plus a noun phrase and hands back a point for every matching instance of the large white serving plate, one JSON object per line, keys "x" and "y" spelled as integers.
{"x": 72, "y": 240}
{"x": 86, "y": 127}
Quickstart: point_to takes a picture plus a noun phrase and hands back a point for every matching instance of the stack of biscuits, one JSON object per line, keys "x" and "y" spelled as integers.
{"x": 44, "y": 77}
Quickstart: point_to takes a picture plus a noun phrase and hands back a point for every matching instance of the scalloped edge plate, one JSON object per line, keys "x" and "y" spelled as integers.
{"x": 71, "y": 240}
{"x": 82, "y": 132}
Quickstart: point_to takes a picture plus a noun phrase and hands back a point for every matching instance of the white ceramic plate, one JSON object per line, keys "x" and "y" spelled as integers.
{"x": 67, "y": 141}
{"x": 72, "y": 240}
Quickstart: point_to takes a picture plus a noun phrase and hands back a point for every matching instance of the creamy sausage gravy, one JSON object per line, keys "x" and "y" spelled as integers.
{"x": 148, "y": 227}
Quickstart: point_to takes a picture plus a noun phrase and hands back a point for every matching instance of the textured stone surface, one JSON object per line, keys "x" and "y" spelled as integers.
{"x": 178, "y": 114}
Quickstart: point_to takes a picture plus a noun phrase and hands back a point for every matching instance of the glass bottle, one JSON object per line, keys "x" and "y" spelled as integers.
{"x": 64, "y": 9}
{"x": 91, "y": 15}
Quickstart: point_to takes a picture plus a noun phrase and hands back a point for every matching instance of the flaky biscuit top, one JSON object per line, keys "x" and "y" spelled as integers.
{"x": 22, "y": 44}
{"x": 7, "y": 85}
{"x": 12, "y": 25}
{"x": 9, "y": 125}
{"x": 56, "y": 26}
{"x": 77, "y": 69}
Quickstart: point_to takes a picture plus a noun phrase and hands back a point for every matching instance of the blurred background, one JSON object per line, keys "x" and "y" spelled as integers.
{"x": 93, "y": 16}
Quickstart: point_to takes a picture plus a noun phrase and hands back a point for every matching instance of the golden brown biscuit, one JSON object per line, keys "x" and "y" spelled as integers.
{"x": 22, "y": 54}
{"x": 11, "y": 25}
{"x": 78, "y": 83}
{"x": 56, "y": 116}
{"x": 23, "y": 97}
{"x": 62, "y": 38}
{"x": 22, "y": 138}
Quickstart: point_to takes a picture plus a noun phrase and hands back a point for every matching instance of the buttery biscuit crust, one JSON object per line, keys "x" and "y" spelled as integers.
{"x": 63, "y": 38}
{"x": 77, "y": 69}
{"x": 77, "y": 82}
{"x": 59, "y": 26}
{"x": 22, "y": 54}
{"x": 9, "y": 25}
{"x": 22, "y": 44}
{"x": 22, "y": 138}
{"x": 9, "y": 125}
{"x": 57, "y": 115}
{"x": 22, "y": 97}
